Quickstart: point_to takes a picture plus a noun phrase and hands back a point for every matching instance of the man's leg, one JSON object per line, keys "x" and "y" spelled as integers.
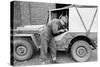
{"x": 43, "y": 50}
{"x": 52, "y": 47}
{"x": 44, "y": 45}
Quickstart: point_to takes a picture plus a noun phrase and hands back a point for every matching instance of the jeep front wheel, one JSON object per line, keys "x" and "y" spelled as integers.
{"x": 80, "y": 51}
{"x": 23, "y": 50}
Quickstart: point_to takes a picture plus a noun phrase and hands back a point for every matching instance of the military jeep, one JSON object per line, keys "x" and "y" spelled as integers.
{"x": 79, "y": 40}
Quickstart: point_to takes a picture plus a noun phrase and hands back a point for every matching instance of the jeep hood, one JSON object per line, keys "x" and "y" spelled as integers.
{"x": 30, "y": 27}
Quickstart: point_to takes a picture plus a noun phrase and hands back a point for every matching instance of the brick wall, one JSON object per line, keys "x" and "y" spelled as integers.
{"x": 16, "y": 14}
{"x": 28, "y": 13}
{"x": 39, "y": 12}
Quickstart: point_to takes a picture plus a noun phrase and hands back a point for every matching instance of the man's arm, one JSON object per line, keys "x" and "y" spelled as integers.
{"x": 55, "y": 29}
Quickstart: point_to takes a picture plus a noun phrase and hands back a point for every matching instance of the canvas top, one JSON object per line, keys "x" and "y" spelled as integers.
{"x": 79, "y": 6}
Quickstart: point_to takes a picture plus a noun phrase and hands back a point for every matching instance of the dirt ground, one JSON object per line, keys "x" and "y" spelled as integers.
{"x": 62, "y": 57}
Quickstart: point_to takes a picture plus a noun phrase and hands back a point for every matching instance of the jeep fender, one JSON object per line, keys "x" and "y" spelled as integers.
{"x": 28, "y": 35}
{"x": 82, "y": 37}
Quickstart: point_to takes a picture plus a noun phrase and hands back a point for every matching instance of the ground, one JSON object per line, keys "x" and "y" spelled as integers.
{"x": 62, "y": 57}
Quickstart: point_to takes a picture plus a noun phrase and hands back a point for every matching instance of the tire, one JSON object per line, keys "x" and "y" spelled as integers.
{"x": 80, "y": 51}
{"x": 23, "y": 50}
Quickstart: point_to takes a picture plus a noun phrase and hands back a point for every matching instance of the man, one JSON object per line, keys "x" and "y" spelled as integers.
{"x": 51, "y": 29}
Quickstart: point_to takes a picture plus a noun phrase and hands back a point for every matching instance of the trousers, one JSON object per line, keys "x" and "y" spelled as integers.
{"x": 47, "y": 40}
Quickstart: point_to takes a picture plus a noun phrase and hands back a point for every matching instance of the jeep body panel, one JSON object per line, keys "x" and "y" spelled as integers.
{"x": 63, "y": 41}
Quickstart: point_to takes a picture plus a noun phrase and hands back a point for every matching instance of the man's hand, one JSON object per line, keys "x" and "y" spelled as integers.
{"x": 63, "y": 30}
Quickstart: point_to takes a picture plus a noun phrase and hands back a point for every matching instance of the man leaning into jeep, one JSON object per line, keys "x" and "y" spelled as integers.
{"x": 47, "y": 35}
